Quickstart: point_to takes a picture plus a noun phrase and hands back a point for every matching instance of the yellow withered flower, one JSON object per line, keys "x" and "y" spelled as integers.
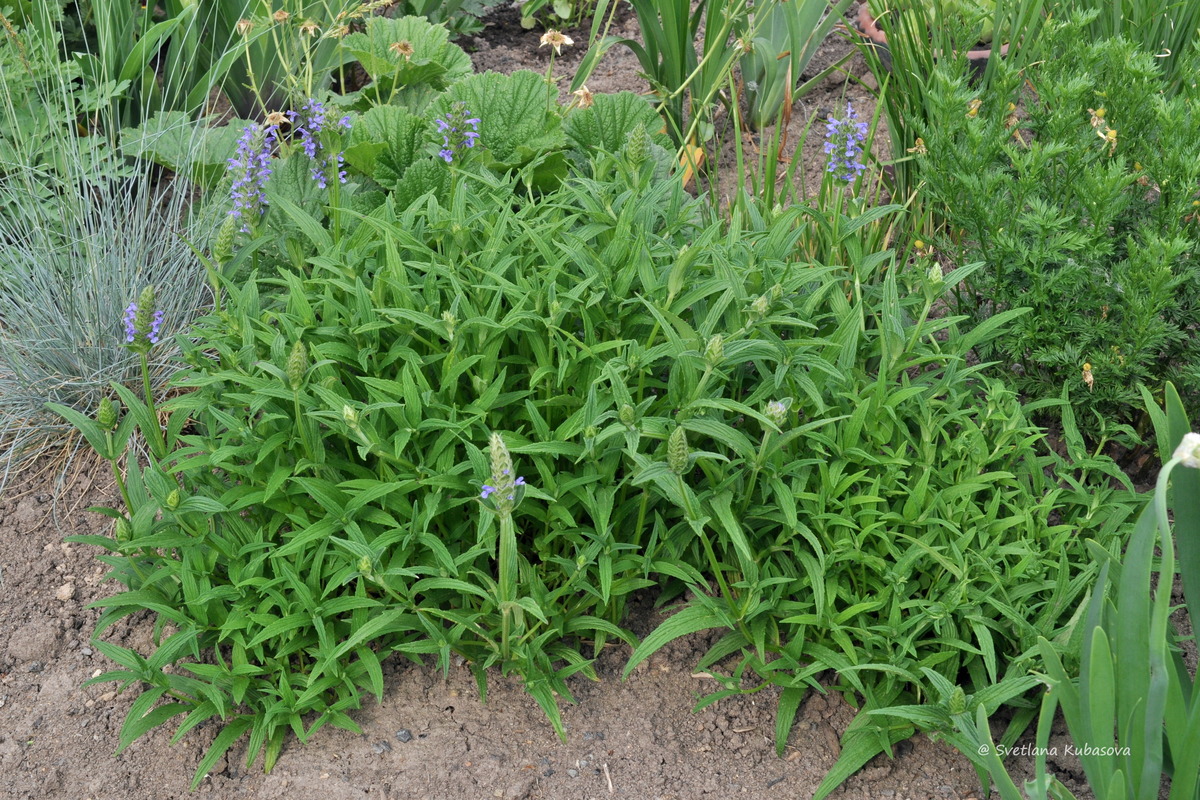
{"x": 583, "y": 97}
{"x": 1109, "y": 135}
{"x": 556, "y": 39}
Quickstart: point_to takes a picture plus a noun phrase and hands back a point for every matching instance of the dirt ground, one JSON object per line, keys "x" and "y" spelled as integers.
{"x": 429, "y": 738}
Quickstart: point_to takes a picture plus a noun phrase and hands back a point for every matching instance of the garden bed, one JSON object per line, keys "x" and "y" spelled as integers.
{"x": 431, "y": 736}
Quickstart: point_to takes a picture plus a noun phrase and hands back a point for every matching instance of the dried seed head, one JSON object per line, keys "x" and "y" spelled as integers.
{"x": 1088, "y": 378}
{"x": 297, "y": 365}
{"x": 403, "y": 49}
{"x": 973, "y": 108}
{"x": 243, "y": 27}
{"x": 677, "y": 451}
{"x": 309, "y": 28}
{"x": 281, "y": 15}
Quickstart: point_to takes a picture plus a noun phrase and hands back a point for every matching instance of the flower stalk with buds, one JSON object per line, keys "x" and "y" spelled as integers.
{"x": 502, "y": 495}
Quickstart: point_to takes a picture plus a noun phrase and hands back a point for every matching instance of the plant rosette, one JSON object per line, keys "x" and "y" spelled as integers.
{"x": 868, "y": 27}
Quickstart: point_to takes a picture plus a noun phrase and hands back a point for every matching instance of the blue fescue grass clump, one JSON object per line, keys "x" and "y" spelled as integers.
{"x": 79, "y": 241}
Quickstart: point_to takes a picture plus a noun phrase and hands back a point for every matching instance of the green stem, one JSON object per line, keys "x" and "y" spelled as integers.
{"x": 157, "y": 444}
{"x": 748, "y": 497}
{"x": 713, "y": 564}
{"x": 507, "y": 583}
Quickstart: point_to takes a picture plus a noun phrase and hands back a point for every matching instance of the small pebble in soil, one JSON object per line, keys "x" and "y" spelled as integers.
{"x": 590, "y": 735}
{"x": 574, "y": 773}
{"x": 381, "y": 747}
{"x": 547, "y": 773}
{"x": 404, "y": 735}
{"x": 36, "y": 666}
{"x": 86, "y": 651}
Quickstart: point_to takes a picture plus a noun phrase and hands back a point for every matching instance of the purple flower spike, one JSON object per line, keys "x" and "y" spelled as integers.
{"x": 454, "y": 129}
{"x": 251, "y": 166}
{"x": 155, "y": 327}
{"x": 130, "y": 323}
{"x": 310, "y": 122}
{"x": 844, "y": 140}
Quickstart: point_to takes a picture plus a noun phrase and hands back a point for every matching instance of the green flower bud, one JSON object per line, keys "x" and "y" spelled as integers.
{"x": 958, "y": 701}
{"x": 677, "y": 451}
{"x": 222, "y": 248}
{"x": 761, "y": 305}
{"x": 935, "y": 275}
{"x": 350, "y": 417}
{"x": 776, "y": 411}
{"x": 364, "y": 566}
{"x": 450, "y": 321}
{"x": 714, "y": 351}
{"x": 297, "y": 365}
{"x": 637, "y": 148}
{"x": 173, "y": 500}
{"x": 504, "y": 489}
{"x": 107, "y": 415}
{"x": 123, "y": 531}
{"x": 628, "y": 416}
{"x": 591, "y": 432}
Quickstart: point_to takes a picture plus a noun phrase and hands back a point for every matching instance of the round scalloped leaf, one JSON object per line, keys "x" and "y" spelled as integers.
{"x": 385, "y": 142}
{"x": 406, "y": 52}
{"x": 606, "y": 124}
{"x": 515, "y": 121}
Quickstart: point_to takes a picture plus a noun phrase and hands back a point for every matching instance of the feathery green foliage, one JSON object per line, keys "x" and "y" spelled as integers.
{"x": 1081, "y": 198}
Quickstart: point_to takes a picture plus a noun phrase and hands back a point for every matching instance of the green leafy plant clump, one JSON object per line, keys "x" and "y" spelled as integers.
{"x": 474, "y": 427}
{"x": 1081, "y": 197}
